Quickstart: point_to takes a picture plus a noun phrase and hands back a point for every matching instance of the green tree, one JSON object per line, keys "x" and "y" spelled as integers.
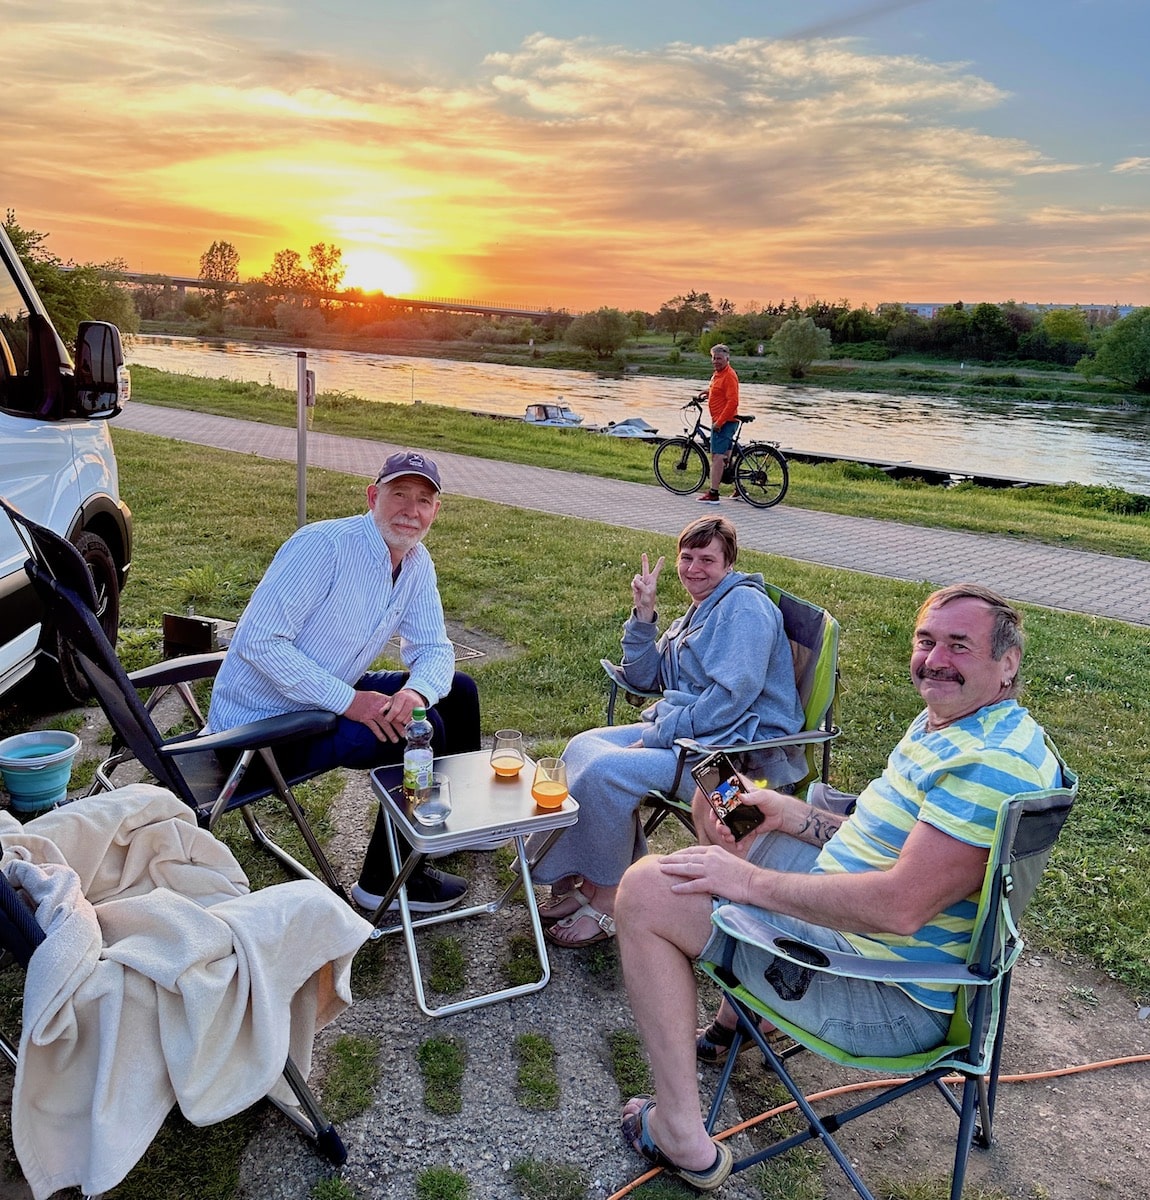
{"x": 287, "y": 273}
{"x": 639, "y": 322}
{"x": 326, "y": 271}
{"x": 798, "y": 342}
{"x": 989, "y": 332}
{"x": 220, "y": 264}
{"x": 73, "y": 293}
{"x": 686, "y": 314}
{"x": 860, "y": 325}
{"x": 1124, "y": 352}
{"x": 1066, "y": 325}
{"x": 604, "y": 331}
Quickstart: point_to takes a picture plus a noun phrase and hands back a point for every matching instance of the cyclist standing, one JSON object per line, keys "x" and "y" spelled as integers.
{"x": 723, "y": 403}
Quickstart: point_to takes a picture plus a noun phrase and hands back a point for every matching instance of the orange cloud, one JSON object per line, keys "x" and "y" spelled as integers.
{"x": 569, "y": 172}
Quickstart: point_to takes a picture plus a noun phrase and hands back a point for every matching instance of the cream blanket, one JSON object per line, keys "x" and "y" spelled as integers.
{"x": 162, "y": 980}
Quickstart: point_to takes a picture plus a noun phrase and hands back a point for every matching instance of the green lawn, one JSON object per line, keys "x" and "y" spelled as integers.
{"x": 556, "y": 590}
{"x": 1086, "y": 518}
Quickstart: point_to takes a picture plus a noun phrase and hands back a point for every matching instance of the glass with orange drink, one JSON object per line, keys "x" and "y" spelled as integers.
{"x": 507, "y": 753}
{"x": 549, "y": 788}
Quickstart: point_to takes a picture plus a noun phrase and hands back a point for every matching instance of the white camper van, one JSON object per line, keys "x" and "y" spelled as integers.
{"x": 57, "y": 467}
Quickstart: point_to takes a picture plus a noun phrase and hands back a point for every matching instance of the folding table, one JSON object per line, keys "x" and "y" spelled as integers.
{"x": 485, "y": 810}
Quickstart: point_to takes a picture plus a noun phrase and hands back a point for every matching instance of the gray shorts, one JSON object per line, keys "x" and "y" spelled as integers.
{"x": 859, "y": 1016}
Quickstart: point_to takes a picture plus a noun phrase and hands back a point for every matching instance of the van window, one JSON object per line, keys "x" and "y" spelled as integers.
{"x": 15, "y": 386}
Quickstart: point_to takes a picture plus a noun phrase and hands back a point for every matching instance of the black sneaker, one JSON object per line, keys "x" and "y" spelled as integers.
{"x": 709, "y": 497}
{"x": 428, "y": 890}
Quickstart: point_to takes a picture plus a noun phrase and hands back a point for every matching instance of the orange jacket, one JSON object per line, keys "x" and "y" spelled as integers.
{"x": 723, "y": 396}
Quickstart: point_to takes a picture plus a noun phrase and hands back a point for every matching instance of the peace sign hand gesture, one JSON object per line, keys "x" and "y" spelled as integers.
{"x": 643, "y": 588}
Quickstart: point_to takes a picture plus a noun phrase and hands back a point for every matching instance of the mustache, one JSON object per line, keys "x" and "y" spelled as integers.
{"x": 943, "y": 674}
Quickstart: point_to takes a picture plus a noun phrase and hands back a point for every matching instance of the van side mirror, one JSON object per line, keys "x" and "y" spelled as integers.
{"x": 103, "y": 384}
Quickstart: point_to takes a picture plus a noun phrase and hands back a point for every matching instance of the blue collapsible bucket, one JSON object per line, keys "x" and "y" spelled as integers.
{"x": 37, "y": 767}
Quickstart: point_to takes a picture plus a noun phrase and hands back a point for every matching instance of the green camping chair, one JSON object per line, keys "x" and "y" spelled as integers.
{"x": 814, "y": 637}
{"x": 1028, "y": 826}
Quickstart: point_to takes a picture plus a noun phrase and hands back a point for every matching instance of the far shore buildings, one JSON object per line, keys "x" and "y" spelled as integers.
{"x": 1092, "y": 312}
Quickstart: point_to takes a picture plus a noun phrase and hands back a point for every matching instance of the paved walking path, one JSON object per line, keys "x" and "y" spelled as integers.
{"x": 1071, "y": 580}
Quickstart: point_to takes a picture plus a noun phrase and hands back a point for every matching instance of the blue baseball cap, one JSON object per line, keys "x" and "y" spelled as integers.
{"x": 410, "y": 462}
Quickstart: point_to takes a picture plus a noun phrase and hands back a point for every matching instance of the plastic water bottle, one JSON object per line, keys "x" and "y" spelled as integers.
{"x": 417, "y": 758}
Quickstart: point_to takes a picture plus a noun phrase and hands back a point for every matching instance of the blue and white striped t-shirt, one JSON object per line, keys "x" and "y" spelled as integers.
{"x": 955, "y": 779}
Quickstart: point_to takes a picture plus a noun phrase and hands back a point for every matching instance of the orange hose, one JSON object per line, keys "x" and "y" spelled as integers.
{"x": 870, "y": 1084}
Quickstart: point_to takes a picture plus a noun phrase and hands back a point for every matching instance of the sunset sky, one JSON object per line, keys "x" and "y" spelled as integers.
{"x": 582, "y": 153}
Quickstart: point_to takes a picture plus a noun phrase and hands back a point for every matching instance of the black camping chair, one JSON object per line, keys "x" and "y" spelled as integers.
{"x": 20, "y": 935}
{"x": 213, "y": 774}
{"x": 1028, "y": 826}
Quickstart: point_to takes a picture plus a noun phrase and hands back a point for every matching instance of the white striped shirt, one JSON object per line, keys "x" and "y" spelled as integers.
{"x": 320, "y": 617}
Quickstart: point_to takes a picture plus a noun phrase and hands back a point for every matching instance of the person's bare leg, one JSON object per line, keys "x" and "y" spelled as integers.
{"x": 718, "y": 463}
{"x": 660, "y": 934}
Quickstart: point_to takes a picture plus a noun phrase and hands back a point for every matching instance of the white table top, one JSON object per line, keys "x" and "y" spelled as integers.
{"x": 484, "y": 808}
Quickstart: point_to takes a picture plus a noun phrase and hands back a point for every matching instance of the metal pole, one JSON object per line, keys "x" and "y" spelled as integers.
{"x": 301, "y": 437}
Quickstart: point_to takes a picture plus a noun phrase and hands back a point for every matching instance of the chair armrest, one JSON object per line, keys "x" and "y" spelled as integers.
{"x": 619, "y": 682}
{"x": 757, "y": 929}
{"x": 805, "y": 737}
{"x": 255, "y": 735}
{"x": 179, "y": 670}
{"x": 616, "y": 676}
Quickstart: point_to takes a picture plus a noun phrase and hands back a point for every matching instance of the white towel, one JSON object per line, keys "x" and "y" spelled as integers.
{"x": 161, "y": 980}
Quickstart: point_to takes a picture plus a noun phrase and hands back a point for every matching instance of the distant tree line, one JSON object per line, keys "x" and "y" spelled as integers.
{"x": 303, "y": 297}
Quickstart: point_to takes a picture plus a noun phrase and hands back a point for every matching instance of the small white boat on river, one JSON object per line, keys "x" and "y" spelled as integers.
{"x": 558, "y": 416}
{"x": 632, "y": 427}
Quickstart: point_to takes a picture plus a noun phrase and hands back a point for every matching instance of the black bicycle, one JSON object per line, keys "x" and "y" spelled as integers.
{"x": 683, "y": 464}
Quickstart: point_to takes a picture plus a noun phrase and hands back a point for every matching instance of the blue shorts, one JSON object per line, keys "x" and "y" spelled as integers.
{"x": 858, "y": 1015}
{"x": 723, "y": 438}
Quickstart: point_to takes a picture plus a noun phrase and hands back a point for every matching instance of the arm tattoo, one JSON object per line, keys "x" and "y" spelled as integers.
{"x": 819, "y": 826}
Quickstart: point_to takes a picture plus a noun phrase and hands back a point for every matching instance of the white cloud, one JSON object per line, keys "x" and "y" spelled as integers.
{"x": 566, "y": 160}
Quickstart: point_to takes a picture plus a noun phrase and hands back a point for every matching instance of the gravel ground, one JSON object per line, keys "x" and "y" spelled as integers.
{"x": 1061, "y": 1013}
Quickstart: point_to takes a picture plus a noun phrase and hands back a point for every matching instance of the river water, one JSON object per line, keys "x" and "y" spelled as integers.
{"x": 1020, "y": 440}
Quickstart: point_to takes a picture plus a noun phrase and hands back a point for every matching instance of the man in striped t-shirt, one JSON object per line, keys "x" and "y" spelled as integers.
{"x": 897, "y": 878}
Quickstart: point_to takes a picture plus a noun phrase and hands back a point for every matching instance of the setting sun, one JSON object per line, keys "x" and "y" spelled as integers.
{"x": 374, "y": 271}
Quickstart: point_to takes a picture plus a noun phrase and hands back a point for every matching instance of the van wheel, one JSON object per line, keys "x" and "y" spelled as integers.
{"x": 94, "y": 550}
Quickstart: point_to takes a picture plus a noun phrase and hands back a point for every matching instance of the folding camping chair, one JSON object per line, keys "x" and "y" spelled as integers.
{"x": 20, "y": 935}
{"x": 1026, "y": 830}
{"x": 814, "y": 637}
{"x": 218, "y": 773}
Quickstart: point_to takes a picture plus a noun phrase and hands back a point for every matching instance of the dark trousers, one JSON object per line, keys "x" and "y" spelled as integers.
{"x": 455, "y": 720}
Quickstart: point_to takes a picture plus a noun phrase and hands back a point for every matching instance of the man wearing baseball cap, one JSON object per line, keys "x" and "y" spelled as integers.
{"x": 334, "y": 595}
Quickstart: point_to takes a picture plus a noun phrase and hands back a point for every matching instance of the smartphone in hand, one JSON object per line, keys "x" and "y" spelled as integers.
{"x": 720, "y": 783}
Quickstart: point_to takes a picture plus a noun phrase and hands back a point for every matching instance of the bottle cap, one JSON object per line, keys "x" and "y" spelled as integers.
{"x": 419, "y": 713}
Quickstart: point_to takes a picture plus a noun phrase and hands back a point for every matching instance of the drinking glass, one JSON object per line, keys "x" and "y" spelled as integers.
{"x": 549, "y": 789}
{"x": 507, "y": 753}
{"x": 434, "y": 807}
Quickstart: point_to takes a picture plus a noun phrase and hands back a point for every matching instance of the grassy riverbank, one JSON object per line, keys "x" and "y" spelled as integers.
{"x": 654, "y": 354}
{"x": 1084, "y": 517}
{"x": 499, "y": 574}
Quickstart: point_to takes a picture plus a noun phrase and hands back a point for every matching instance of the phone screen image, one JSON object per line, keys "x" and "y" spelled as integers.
{"x": 718, "y": 780}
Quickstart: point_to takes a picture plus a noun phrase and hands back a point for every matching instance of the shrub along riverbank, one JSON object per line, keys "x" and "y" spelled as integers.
{"x": 654, "y": 354}
{"x": 1104, "y": 519}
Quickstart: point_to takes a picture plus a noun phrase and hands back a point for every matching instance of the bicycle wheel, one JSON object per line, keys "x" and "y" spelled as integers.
{"x": 680, "y": 466}
{"x": 761, "y": 475}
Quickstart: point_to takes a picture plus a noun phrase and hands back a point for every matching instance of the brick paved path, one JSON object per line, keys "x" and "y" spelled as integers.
{"x": 1072, "y": 580}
